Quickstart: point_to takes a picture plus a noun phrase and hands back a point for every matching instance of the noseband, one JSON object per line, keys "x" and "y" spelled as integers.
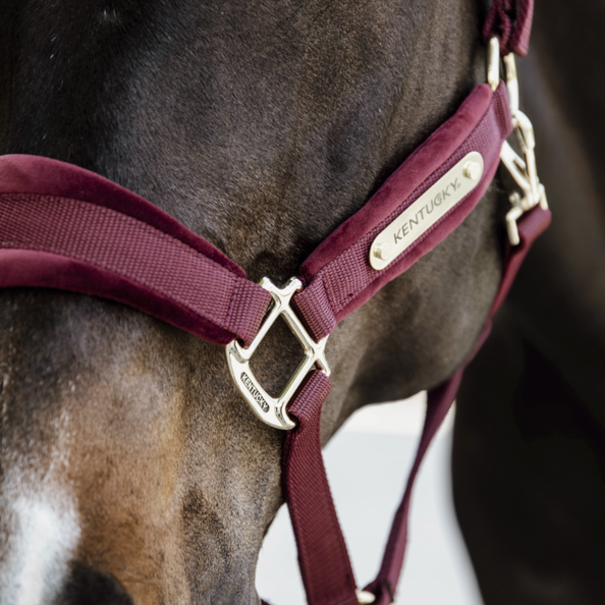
{"x": 64, "y": 227}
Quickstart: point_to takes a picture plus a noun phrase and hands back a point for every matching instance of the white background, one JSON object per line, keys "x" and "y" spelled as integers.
{"x": 367, "y": 463}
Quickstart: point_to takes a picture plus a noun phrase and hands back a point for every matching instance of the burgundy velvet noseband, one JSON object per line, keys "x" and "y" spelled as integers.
{"x": 65, "y": 227}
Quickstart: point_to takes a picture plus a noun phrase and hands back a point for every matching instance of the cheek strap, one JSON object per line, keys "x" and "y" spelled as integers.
{"x": 322, "y": 553}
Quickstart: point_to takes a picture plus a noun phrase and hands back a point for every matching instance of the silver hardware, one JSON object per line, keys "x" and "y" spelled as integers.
{"x": 269, "y": 409}
{"x": 512, "y": 83}
{"x": 365, "y": 598}
{"x": 382, "y": 250}
{"x": 493, "y": 63}
{"x": 523, "y": 170}
{"x": 472, "y": 170}
{"x": 422, "y": 214}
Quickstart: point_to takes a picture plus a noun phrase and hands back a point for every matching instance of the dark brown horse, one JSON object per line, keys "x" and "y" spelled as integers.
{"x": 131, "y": 470}
{"x": 529, "y": 444}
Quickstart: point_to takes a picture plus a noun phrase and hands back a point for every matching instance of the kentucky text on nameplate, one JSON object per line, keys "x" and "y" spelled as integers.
{"x": 427, "y": 210}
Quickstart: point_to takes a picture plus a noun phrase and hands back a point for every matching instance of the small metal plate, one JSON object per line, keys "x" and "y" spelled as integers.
{"x": 431, "y": 206}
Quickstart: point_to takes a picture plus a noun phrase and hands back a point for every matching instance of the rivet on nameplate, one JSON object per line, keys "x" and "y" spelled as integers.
{"x": 382, "y": 250}
{"x": 424, "y": 212}
{"x": 472, "y": 170}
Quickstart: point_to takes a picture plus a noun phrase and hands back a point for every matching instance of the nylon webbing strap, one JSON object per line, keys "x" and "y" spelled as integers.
{"x": 510, "y": 21}
{"x": 325, "y": 292}
{"x": 306, "y": 489}
{"x": 439, "y": 401}
{"x": 322, "y": 555}
{"x": 148, "y": 261}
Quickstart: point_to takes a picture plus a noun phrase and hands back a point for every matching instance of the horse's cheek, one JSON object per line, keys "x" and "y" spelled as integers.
{"x": 106, "y": 456}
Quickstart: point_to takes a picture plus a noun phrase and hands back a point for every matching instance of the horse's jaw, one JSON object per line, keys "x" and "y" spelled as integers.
{"x": 41, "y": 520}
{"x": 126, "y": 474}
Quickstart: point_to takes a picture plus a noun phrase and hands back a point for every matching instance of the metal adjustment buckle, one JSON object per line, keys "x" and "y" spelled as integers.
{"x": 269, "y": 409}
{"x": 365, "y": 598}
{"x": 525, "y": 175}
{"x": 523, "y": 170}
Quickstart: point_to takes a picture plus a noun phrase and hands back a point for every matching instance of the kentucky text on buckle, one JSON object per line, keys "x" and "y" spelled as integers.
{"x": 270, "y": 409}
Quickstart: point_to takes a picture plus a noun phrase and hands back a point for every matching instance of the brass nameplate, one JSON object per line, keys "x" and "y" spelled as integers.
{"x": 431, "y": 206}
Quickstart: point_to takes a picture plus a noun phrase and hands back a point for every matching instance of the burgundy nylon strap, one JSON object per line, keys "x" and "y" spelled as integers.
{"x": 439, "y": 401}
{"x": 338, "y": 275}
{"x": 94, "y": 237}
{"x": 322, "y": 553}
{"x": 510, "y": 21}
{"x": 306, "y": 489}
{"x": 64, "y": 227}
{"x": 324, "y": 273}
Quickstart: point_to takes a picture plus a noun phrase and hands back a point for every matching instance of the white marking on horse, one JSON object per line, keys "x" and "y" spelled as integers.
{"x": 40, "y": 526}
{"x": 40, "y": 550}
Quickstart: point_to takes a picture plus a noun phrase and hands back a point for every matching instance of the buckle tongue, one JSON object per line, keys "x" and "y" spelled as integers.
{"x": 269, "y": 409}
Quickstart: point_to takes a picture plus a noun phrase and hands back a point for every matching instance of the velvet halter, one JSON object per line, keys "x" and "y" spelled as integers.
{"x": 65, "y": 227}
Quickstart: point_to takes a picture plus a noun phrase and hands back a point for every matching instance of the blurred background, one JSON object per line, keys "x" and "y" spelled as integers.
{"x": 367, "y": 463}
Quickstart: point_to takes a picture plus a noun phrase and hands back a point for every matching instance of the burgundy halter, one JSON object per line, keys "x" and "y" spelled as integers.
{"x": 64, "y": 227}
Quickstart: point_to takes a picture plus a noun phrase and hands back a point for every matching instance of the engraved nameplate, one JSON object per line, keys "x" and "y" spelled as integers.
{"x": 431, "y": 206}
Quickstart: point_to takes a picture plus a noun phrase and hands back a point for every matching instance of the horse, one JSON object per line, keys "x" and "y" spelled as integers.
{"x": 528, "y": 453}
{"x": 131, "y": 470}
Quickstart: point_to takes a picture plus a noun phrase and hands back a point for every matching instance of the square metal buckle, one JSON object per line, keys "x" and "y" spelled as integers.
{"x": 269, "y": 409}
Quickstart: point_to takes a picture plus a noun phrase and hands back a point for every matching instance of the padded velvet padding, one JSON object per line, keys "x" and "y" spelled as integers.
{"x": 68, "y": 228}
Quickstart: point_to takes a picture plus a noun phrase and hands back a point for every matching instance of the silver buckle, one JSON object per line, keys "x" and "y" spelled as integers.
{"x": 525, "y": 174}
{"x": 523, "y": 170}
{"x": 269, "y": 409}
{"x": 365, "y": 598}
